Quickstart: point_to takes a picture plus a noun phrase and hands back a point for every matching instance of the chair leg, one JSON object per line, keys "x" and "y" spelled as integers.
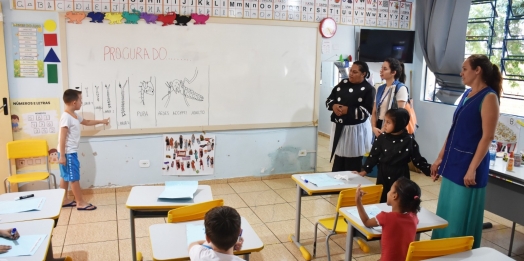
{"x": 54, "y": 180}
{"x": 315, "y": 240}
{"x": 5, "y": 186}
{"x": 327, "y": 245}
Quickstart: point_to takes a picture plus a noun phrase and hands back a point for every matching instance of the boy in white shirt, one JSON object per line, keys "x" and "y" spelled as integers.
{"x": 223, "y": 236}
{"x": 68, "y": 140}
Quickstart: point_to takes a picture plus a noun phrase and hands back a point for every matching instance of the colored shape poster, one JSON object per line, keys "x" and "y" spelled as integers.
{"x": 36, "y": 119}
{"x": 28, "y": 45}
{"x": 188, "y": 155}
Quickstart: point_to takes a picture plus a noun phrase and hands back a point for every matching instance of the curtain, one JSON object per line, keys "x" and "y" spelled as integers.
{"x": 441, "y": 29}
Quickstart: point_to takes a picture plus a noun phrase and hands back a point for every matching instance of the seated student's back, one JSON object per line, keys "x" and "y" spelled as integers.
{"x": 223, "y": 231}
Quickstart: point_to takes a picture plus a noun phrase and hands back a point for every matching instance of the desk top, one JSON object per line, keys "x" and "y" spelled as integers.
{"x": 426, "y": 220}
{"x": 479, "y": 254}
{"x": 146, "y": 198}
{"x": 517, "y": 175}
{"x": 169, "y": 241}
{"x": 51, "y": 208}
{"x": 354, "y": 181}
{"x": 34, "y": 227}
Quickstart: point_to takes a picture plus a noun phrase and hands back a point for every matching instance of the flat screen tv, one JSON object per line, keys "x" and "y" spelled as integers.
{"x": 377, "y": 45}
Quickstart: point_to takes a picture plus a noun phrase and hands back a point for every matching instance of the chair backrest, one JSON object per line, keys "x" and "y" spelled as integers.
{"x": 26, "y": 149}
{"x": 422, "y": 250}
{"x": 192, "y": 212}
{"x": 346, "y": 198}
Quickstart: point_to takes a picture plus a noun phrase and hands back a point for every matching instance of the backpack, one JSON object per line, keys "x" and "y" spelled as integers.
{"x": 412, "y": 125}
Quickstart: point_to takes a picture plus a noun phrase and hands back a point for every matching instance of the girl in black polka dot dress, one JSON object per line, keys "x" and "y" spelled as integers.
{"x": 393, "y": 150}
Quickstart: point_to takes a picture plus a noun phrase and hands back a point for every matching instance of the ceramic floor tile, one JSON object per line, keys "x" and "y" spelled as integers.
{"x": 121, "y": 197}
{"x": 99, "y": 251}
{"x": 143, "y": 245}
{"x": 427, "y": 195}
{"x": 518, "y": 258}
{"x": 519, "y": 228}
{"x": 487, "y": 243}
{"x": 221, "y": 189}
{"x": 323, "y": 151}
{"x": 314, "y": 220}
{"x": 91, "y": 233}
{"x": 283, "y": 229}
{"x": 319, "y": 207}
{"x": 65, "y": 214}
{"x": 273, "y": 213}
{"x": 249, "y": 186}
{"x": 368, "y": 258}
{"x": 495, "y": 225}
{"x": 423, "y": 180}
{"x": 290, "y": 195}
{"x": 57, "y": 252}
{"x": 280, "y": 183}
{"x": 232, "y": 200}
{"x": 501, "y": 237}
{"x": 333, "y": 199}
{"x": 321, "y": 251}
{"x": 273, "y": 252}
{"x": 265, "y": 234}
{"x": 58, "y": 238}
{"x": 100, "y": 214}
{"x": 323, "y": 141}
{"x": 430, "y": 205}
{"x": 498, "y": 219}
{"x": 141, "y": 227}
{"x": 324, "y": 163}
{"x": 374, "y": 246}
{"x": 101, "y": 199}
{"x": 122, "y": 212}
{"x": 260, "y": 198}
{"x": 249, "y": 215}
{"x": 435, "y": 189}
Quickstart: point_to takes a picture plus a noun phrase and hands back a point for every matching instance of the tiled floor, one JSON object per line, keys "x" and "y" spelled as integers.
{"x": 269, "y": 206}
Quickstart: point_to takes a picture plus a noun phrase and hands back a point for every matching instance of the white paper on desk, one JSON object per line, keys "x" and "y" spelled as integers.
{"x": 26, "y": 245}
{"x": 9, "y": 207}
{"x": 322, "y": 180}
{"x": 195, "y": 233}
{"x": 179, "y": 189}
{"x": 372, "y": 211}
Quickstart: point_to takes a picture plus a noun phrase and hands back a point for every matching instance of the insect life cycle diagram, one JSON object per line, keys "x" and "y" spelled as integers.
{"x": 139, "y": 88}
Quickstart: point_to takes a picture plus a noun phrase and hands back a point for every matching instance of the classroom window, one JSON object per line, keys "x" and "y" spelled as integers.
{"x": 496, "y": 29}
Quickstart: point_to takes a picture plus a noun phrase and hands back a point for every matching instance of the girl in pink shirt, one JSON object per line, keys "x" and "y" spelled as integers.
{"x": 399, "y": 226}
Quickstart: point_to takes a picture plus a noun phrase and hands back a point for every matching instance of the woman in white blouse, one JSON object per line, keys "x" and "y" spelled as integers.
{"x": 392, "y": 72}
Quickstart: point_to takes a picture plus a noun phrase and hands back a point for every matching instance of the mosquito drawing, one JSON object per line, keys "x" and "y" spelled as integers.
{"x": 146, "y": 87}
{"x": 177, "y": 86}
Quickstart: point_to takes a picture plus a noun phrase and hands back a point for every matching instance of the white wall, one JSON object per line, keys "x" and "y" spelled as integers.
{"x": 114, "y": 160}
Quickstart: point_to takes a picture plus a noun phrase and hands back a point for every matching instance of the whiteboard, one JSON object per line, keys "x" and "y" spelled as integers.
{"x": 150, "y": 79}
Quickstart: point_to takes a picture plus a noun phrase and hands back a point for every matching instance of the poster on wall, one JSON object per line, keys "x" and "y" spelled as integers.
{"x": 28, "y": 48}
{"x": 507, "y": 133}
{"x": 188, "y": 155}
{"x": 36, "y": 119}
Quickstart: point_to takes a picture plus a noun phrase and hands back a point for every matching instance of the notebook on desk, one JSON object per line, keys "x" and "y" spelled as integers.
{"x": 179, "y": 190}
{"x": 18, "y": 206}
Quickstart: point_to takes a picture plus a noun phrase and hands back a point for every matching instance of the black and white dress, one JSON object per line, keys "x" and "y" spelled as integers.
{"x": 351, "y": 134}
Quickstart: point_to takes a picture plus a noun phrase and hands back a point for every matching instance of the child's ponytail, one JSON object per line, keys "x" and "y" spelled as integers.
{"x": 409, "y": 194}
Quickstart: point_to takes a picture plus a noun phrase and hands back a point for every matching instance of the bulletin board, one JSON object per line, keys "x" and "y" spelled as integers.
{"x": 227, "y": 74}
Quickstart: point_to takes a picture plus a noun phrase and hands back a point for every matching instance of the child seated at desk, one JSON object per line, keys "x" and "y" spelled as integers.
{"x": 223, "y": 235}
{"x": 7, "y": 233}
{"x": 399, "y": 227}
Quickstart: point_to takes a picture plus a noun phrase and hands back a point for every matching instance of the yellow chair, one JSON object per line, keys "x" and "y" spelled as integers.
{"x": 422, "y": 250}
{"x": 192, "y": 212}
{"x": 27, "y": 149}
{"x": 337, "y": 224}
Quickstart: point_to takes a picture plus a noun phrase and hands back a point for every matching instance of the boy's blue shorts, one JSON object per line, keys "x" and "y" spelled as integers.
{"x": 71, "y": 170}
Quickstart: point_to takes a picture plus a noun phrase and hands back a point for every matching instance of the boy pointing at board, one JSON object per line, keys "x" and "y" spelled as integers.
{"x": 68, "y": 146}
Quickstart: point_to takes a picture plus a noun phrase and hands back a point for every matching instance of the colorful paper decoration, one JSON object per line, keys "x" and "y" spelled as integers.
{"x": 51, "y": 57}
{"x": 182, "y": 20}
{"x": 150, "y": 18}
{"x": 96, "y": 17}
{"x": 50, "y": 40}
{"x": 75, "y": 17}
{"x": 52, "y": 73}
{"x": 50, "y": 25}
{"x": 114, "y": 18}
{"x": 167, "y": 19}
{"x": 199, "y": 18}
{"x": 131, "y": 18}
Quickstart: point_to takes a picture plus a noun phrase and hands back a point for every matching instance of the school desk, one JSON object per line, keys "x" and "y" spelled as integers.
{"x": 143, "y": 202}
{"x": 427, "y": 221}
{"x": 305, "y": 189}
{"x": 504, "y": 186}
{"x": 34, "y": 227}
{"x": 479, "y": 254}
{"x": 50, "y": 210}
{"x": 169, "y": 241}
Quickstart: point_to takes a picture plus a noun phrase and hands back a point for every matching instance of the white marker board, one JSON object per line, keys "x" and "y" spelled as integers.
{"x": 151, "y": 79}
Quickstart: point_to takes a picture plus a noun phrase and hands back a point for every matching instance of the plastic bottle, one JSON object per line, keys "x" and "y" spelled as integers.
{"x": 518, "y": 159}
{"x": 492, "y": 153}
{"x": 511, "y": 161}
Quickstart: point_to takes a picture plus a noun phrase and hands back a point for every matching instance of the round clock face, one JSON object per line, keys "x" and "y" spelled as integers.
{"x": 328, "y": 27}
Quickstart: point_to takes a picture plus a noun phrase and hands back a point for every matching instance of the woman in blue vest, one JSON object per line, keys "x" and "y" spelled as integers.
{"x": 463, "y": 161}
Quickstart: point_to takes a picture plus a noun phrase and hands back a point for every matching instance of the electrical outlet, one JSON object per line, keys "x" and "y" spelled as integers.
{"x": 302, "y": 153}
{"x": 144, "y": 163}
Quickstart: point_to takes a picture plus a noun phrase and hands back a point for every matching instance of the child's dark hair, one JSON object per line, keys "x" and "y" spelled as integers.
{"x": 409, "y": 195}
{"x": 400, "y": 118}
{"x": 398, "y": 67}
{"x": 14, "y": 117}
{"x": 222, "y": 226}
{"x": 71, "y": 95}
